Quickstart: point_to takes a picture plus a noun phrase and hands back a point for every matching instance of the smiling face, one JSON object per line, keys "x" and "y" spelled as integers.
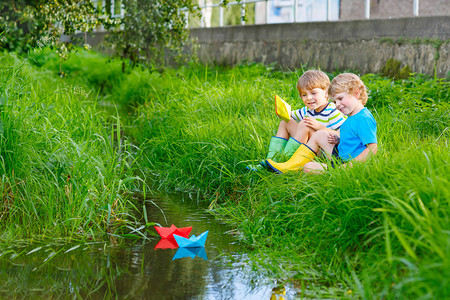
{"x": 348, "y": 104}
{"x": 315, "y": 99}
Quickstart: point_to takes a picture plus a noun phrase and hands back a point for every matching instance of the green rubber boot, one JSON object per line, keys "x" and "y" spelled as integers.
{"x": 276, "y": 147}
{"x": 290, "y": 148}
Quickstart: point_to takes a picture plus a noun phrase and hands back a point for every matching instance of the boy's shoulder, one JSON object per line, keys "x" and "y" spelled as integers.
{"x": 364, "y": 116}
{"x": 331, "y": 105}
{"x": 366, "y": 113}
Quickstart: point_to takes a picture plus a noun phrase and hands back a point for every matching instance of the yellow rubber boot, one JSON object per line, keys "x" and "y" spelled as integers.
{"x": 300, "y": 157}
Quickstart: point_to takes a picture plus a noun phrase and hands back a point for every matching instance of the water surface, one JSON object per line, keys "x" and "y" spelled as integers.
{"x": 136, "y": 270}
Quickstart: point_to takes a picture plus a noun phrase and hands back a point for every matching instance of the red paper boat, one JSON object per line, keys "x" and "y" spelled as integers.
{"x": 168, "y": 232}
{"x": 167, "y": 244}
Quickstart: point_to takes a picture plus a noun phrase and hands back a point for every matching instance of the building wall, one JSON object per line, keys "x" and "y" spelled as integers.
{"x": 363, "y": 45}
{"x": 386, "y": 9}
{"x": 422, "y": 43}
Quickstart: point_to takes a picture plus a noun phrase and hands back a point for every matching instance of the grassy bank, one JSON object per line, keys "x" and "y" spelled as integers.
{"x": 378, "y": 230}
{"x": 66, "y": 172}
{"x": 382, "y": 228}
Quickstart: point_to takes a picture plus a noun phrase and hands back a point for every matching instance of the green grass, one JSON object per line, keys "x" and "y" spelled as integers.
{"x": 65, "y": 170}
{"x": 378, "y": 230}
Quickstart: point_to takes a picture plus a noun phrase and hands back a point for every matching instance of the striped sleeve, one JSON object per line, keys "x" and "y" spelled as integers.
{"x": 298, "y": 114}
{"x": 335, "y": 119}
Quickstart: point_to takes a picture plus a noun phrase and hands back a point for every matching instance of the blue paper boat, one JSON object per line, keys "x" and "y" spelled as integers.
{"x": 192, "y": 242}
{"x": 190, "y": 252}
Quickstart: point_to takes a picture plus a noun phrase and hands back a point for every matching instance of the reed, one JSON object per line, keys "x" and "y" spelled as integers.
{"x": 65, "y": 170}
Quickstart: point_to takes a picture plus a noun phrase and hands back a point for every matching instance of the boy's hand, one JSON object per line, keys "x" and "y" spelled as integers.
{"x": 313, "y": 123}
{"x": 346, "y": 165}
{"x": 333, "y": 138}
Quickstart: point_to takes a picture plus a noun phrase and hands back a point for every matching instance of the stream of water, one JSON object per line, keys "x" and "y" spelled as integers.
{"x": 136, "y": 270}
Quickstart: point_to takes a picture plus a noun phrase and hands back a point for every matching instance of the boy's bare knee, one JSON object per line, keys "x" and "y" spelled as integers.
{"x": 313, "y": 167}
{"x": 322, "y": 132}
{"x": 307, "y": 168}
{"x": 302, "y": 126}
{"x": 320, "y": 135}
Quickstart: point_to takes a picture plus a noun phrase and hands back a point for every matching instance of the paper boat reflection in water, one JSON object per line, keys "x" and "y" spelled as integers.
{"x": 167, "y": 244}
{"x": 168, "y": 232}
{"x": 192, "y": 242}
{"x": 190, "y": 252}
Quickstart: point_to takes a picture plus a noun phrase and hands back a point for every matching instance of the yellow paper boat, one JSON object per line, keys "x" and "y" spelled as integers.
{"x": 282, "y": 109}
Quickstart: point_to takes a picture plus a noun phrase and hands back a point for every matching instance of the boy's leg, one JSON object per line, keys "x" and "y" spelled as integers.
{"x": 280, "y": 143}
{"x": 314, "y": 167}
{"x": 290, "y": 148}
{"x": 302, "y": 133}
{"x": 276, "y": 146}
{"x": 298, "y": 131}
{"x": 286, "y": 128}
{"x": 293, "y": 134}
{"x": 319, "y": 140}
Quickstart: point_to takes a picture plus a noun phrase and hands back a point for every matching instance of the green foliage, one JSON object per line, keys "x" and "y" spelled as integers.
{"x": 89, "y": 69}
{"x": 393, "y": 69}
{"x": 29, "y": 24}
{"x": 151, "y": 32}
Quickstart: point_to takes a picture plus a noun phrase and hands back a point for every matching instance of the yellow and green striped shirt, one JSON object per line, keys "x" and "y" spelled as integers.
{"x": 330, "y": 117}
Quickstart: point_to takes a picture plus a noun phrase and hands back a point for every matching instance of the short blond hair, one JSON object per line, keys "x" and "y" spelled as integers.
{"x": 313, "y": 79}
{"x": 348, "y": 83}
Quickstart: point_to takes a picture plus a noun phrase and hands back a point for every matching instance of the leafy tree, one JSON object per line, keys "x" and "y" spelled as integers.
{"x": 26, "y": 24}
{"x": 152, "y": 32}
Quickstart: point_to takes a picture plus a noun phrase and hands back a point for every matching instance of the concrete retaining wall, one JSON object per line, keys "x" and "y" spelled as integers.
{"x": 422, "y": 43}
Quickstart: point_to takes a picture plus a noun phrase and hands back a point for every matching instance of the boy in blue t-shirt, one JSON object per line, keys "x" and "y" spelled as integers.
{"x": 357, "y": 139}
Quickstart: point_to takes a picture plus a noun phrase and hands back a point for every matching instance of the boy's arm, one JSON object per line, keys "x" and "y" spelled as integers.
{"x": 371, "y": 149}
{"x": 314, "y": 124}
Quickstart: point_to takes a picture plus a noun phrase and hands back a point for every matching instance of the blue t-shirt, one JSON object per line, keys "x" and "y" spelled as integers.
{"x": 356, "y": 132}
